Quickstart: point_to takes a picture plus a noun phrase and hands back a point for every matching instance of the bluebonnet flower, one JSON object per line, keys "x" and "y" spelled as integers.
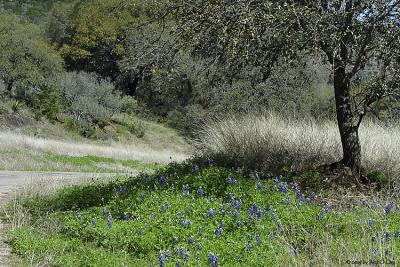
{"x": 239, "y": 224}
{"x": 186, "y": 256}
{"x": 313, "y": 197}
{"x": 374, "y": 251}
{"x": 209, "y": 162}
{"x": 235, "y": 214}
{"x": 94, "y": 222}
{"x": 397, "y": 234}
{"x": 141, "y": 197}
{"x": 258, "y": 240}
{"x": 178, "y": 264}
{"x": 273, "y": 215}
{"x": 257, "y": 175}
{"x": 186, "y": 187}
{"x": 200, "y": 192}
{"x": 79, "y": 217}
{"x": 162, "y": 180}
{"x": 105, "y": 212}
{"x": 212, "y": 259}
{"x": 161, "y": 259}
{"x": 284, "y": 188}
{"x": 109, "y": 224}
{"x": 196, "y": 170}
{"x": 141, "y": 231}
{"x": 272, "y": 235}
{"x": 373, "y": 238}
{"x": 122, "y": 190}
{"x": 387, "y": 237}
{"x": 278, "y": 179}
{"x": 218, "y": 231}
{"x": 181, "y": 251}
{"x": 387, "y": 251}
{"x": 259, "y": 186}
{"x": 252, "y": 210}
{"x": 228, "y": 207}
{"x": 287, "y": 200}
{"x": 211, "y": 213}
{"x": 167, "y": 254}
{"x": 125, "y": 217}
{"x": 259, "y": 213}
{"x": 164, "y": 207}
{"x": 237, "y": 204}
{"x": 249, "y": 245}
{"x": 147, "y": 178}
{"x": 213, "y": 199}
{"x": 370, "y": 222}
{"x": 200, "y": 231}
{"x": 232, "y": 180}
{"x": 222, "y": 209}
{"x": 191, "y": 240}
{"x": 231, "y": 197}
{"x": 278, "y": 224}
{"x": 199, "y": 245}
{"x": 389, "y": 208}
{"x": 186, "y": 223}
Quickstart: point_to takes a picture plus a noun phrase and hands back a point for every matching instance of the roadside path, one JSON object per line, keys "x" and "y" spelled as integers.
{"x": 11, "y": 180}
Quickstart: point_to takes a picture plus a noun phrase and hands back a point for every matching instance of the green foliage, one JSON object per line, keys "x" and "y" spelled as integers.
{"x": 47, "y": 103}
{"x": 132, "y": 221}
{"x": 28, "y": 64}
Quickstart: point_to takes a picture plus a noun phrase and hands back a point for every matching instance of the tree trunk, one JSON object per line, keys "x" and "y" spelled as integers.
{"x": 348, "y": 123}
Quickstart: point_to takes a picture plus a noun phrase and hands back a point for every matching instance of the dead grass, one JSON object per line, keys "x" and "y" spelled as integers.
{"x": 271, "y": 141}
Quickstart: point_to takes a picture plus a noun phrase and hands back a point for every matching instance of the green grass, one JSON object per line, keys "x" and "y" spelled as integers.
{"x": 101, "y": 164}
{"x": 128, "y": 222}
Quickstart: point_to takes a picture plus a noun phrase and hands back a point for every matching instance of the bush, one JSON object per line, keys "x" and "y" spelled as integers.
{"x": 89, "y": 100}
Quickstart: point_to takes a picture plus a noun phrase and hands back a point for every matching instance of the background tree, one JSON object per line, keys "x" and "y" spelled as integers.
{"x": 352, "y": 34}
{"x": 28, "y": 64}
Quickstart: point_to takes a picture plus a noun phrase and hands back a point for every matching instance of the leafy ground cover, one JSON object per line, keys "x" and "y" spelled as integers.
{"x": 186, "y": 215}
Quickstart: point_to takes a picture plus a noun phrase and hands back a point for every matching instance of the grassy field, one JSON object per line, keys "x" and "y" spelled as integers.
{"x": 51, "y": 148}
{"x": 186, "y": 215}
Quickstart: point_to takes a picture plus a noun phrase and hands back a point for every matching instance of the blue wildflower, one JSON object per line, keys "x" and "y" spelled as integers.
{"x": 209, "y": 162}
{"x": 181, "y": 251}
{"x": 196, "y": 170}
{"x": 211, "y": 213}
{"x": 387, "y": 237}
{"x": 278, "y": 179}
{"x": 249, "y": 245}
{"x": 239, "y": 224}
{"x": 389, "y": 208}
{"x": 213, "y": 260}
{"x": 218, "y": 231}
{"x": 284, "y": 188}
{"x": 105, "y": 212}
{"x": 186, "y": 223}
{"x": 258, "y": 240}
{"x": 167, "y": 254}
{"x": 161, "y": 259}
{"x": 313, "y": 197}
{"x": 370, "y": 222}
{"x": 200, "y": 231}
{"x": 231, "y": 197}
{"x": 162, "y": 180}
{"x": 109, "y": 224}
{"x": 235, "y": 214}
{"x": 272, "y": 235}
{"x": 200, "y": 192}
{"x": 94, "y": 222}
{"x": 199, "y": 246}
{"x": 232, "y": 180}
{"x": 178, "y": 264}
{"x": 147, "y": 178}
{"x": 259, "y": 186}
{"x": 252, "y": 210}
{"x": 397, "y": 234}
{"x": 125, "y": 217}
{"x": 259, "y": 213}
{"x": 141, "y": 231}
{"x": 122, "y": 190}
{"x": 191, "y": 240}
{"x": 257, "y": 175}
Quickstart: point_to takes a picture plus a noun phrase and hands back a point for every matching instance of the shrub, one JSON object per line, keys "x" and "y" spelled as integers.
{"x": 89, "y": 99}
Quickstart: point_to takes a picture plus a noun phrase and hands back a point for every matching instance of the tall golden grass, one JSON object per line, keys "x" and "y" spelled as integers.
{"x": 271, "y": 141}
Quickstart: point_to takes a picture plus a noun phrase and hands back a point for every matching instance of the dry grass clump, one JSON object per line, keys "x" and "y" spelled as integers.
{"x": 269, "y": 142}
